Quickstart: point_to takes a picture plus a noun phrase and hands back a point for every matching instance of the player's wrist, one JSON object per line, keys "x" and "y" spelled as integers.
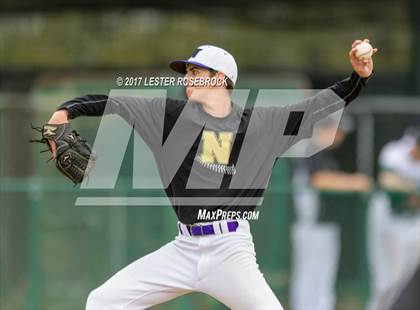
{"x": 59, "y": 117}
{"x": 355, "y": 75}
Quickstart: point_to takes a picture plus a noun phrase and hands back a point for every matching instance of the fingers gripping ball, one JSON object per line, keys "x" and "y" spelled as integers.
{"x": 74, "y": 156}
{"x": 364, "y": 51}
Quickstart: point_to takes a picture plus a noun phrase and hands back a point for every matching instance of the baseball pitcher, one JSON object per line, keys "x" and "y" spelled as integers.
{"x": 211, "y": 154}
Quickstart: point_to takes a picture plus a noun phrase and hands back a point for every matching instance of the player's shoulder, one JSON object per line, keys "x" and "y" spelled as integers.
{"x": 394, "y": 153}
{"x": 400, "y": 146}
{"x": 266, "y": 112}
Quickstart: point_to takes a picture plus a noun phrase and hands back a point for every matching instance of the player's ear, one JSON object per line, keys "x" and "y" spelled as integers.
{"x": 220, "y": 76}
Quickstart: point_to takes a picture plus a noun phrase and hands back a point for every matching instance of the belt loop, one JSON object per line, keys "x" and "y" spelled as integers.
{"x": 216, "y": 228}
{"x": 220, "y": 226}
{"x": 184, "y": 229}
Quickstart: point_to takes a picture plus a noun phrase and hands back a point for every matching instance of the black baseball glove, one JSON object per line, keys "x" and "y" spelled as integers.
{"x": 74, "y": 156}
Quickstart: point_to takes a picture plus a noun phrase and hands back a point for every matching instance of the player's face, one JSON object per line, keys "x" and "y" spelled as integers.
{"x": 415, "y": 152}
{"x": 194, "y": 72}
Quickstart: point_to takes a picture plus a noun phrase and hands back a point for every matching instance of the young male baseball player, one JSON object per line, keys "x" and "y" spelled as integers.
{"x": 394, "y": 220}
{"x": 211, "y": 154}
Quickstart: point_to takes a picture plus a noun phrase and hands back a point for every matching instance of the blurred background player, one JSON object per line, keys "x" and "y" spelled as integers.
{"x": 316, "y": 243}
{"x": 394, "y": 219}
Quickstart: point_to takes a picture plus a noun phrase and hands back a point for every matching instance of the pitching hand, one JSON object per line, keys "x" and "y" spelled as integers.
{"x": 363, "y": 67}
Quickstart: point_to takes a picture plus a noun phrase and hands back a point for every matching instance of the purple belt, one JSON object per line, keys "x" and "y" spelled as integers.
{"x": 203, "y": 230}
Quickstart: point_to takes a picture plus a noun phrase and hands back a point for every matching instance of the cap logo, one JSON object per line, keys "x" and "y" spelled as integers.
{"x": 198, "y": 50}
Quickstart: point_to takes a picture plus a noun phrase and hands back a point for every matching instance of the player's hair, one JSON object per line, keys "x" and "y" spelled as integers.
{"x": 229, "y": 84}
{"x": 414, "y": 131}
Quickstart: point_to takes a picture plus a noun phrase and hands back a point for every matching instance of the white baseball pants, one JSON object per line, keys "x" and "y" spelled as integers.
{"x": 221, "y": 265}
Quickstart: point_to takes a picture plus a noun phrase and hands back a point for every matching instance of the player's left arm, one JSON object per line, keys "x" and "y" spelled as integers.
{"x": 296, "y": 121}
{"x": 390, "y": 180}
{"x": 335, "y": 97}
{"x": 350, "y": 88}
{"x": 343, "y": 92}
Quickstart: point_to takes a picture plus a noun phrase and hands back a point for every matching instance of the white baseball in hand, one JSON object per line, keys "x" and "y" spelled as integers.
{"x": 364, "y": 51}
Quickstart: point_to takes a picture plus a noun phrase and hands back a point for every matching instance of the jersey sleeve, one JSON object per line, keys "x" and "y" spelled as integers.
{"x": 322, "y": 104}
{"x": 292, "y": 123}
{"x": 146, "y": 115}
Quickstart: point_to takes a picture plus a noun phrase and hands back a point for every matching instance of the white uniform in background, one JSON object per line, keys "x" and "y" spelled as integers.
{"x": 315, "y": 252}
{"x": 394, "y": 240}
